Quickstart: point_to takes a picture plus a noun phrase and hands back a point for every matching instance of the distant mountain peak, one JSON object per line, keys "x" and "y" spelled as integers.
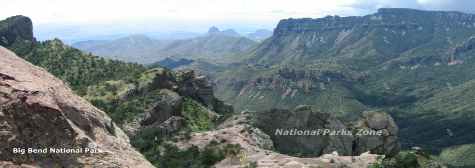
{"x": 259, "y": 34}
{"x": 139, "y": 36}
{"x": 213, "y": 29}
{"x": 228, "y": 32}
{"x": 384, "y": 10}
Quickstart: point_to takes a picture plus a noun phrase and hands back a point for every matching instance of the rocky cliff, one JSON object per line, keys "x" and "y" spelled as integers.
{"x": 39, "y": 111}
{"x": 389, "y": 32}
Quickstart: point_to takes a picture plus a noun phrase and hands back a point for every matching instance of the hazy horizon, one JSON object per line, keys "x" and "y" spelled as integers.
{"x": 89, "y": 19}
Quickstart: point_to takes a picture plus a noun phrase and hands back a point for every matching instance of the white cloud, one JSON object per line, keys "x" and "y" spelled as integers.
{"x": 91, "y": 11}
{"x": 100, "y": 11}
{"x": 451, "y": 5}
{"x": 78, "y": 17}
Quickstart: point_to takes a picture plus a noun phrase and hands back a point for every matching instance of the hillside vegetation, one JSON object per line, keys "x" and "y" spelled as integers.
{"x": 417, "y": 65}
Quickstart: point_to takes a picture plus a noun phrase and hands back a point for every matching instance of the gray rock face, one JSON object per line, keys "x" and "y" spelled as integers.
{"x": 171, "y": 125}
{"x": 17, "y": 31}
{"x": 257, "y": 136}
{"x": 16, "y": 28}
{"x": 283, "y": 126}
{"x": 296, "y": 132}
{"x": 168, "y": 104}
{"x": 261, "y": 139}
{"x": 39, "y": 111}
{"x": 378, "y": 121}
{"x": 165, "y": 128}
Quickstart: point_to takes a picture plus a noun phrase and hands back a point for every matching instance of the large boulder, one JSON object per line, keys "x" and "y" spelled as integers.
{"x": 307, "y": 132}
{"x": 382, "y": 144}
{"x": 291, "y": 131}
{"x": 39, "y": 111}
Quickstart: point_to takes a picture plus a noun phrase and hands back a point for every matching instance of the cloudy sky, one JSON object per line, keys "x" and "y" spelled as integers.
{"x": 186, "y": 15}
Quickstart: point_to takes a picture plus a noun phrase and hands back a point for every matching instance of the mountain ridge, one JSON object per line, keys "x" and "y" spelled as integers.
{"x": 394, "y": 59}
{"x": 216, "y": 47}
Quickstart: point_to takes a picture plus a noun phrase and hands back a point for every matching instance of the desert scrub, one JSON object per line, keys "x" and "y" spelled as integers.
{"x": 194, "y": 157}
{"x": 198, "y": 118}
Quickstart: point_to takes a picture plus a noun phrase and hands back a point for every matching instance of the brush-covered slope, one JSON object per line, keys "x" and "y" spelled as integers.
{"x": 157, "y": 107}
{"x": 135, "y": 48}
{"x": 78, "y": 69}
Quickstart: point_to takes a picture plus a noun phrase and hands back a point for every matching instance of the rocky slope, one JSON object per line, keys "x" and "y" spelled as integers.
{"x": 71, "y": 65}
{"x": 256, "y": 148}
{"x": 40, "y": 111}
{"x": 157, "y": 107}
{"x": 134, "y": 48}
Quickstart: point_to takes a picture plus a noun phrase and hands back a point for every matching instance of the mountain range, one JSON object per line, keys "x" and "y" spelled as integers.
{"x": 215, "y": 46}
{"x": 171, "y": 118}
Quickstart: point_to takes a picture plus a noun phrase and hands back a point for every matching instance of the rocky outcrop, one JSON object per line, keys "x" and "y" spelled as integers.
{"x": 14, "y": 29}
{"x": 307, "y": 132}
{"x": 184, "y": 83}
{"x": 163, "y": 93}
{"x": 376, "y": 121}
{"x": 198, "y": 88}
{"x": 17, "y": 33}
{"x": 256, "y": 148}
{"x": 39, "y": 111}
{"x": 468, "y": 45}
{"x": 168, "y": 104}
{"x": 283, "y": 125}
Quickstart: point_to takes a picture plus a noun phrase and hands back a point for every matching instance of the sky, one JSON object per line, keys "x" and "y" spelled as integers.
{"x": 128, "y": 16}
